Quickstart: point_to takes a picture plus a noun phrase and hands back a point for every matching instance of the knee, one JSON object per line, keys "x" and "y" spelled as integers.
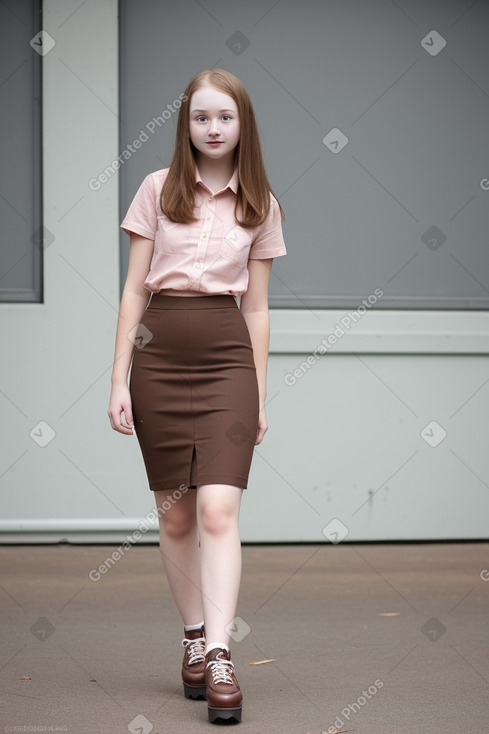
{"x": 215, "y": 520}
{"x": 177, "y": 524}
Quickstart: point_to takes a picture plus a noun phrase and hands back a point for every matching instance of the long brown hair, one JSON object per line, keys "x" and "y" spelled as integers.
{"x": 177, "y": 198}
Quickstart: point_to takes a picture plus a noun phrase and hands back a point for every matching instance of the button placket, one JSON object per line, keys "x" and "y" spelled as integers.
{"x": 205, "y": 232}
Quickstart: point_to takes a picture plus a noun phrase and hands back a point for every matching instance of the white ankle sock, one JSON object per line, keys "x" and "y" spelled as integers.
{"x": 213, "y": 645}
{"x": 191, "y": 627}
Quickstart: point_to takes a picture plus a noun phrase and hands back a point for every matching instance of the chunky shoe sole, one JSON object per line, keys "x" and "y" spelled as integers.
{"x": 224, "y": 713}
{"x": 194, "y": 691}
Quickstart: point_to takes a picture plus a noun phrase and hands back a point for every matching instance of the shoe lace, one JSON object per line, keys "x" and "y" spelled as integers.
{"x": 221, "y": 671}
{"x": 195, "y": 649}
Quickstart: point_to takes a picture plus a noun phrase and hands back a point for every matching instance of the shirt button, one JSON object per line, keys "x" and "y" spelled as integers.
{"x": 210, "y": 198}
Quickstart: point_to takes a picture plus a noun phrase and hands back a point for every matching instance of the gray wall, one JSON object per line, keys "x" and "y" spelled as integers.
{"x": 20, "y": 152}
{"x": 381, "y": 437}
{"x": 374, "y": 124}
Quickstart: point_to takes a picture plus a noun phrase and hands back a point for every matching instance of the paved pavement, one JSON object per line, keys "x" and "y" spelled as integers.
{"x": 371, "y": 638}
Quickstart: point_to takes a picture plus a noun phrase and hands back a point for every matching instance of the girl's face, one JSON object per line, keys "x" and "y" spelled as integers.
{"x": 214, "y": 123}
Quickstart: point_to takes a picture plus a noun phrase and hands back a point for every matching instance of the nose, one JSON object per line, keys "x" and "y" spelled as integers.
{"x": 214, "y": 127}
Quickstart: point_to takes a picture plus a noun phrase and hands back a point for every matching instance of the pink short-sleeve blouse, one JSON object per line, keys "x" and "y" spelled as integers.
{"x": 208, "y": 256}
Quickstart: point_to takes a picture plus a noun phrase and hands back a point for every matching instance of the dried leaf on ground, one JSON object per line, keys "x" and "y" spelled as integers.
{"x": 262, "y": 662}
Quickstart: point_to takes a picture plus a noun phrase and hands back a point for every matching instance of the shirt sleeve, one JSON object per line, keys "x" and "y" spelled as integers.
{"x": 141, "y": 217}
{"x": 269, "y": 241}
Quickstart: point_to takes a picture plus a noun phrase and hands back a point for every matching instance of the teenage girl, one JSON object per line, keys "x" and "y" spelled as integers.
{"x": 203, "y": 232}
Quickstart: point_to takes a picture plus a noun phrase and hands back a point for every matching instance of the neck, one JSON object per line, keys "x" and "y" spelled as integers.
{"x": 219, "y": 170}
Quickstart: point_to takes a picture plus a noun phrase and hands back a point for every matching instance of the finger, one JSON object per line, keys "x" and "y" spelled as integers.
{"x": 123, "y": 420}
{"x": 113, "y": 421}
{"x": 117, "y": 424}
{"x": 126, "y": 415}
{"x": 122, "y": 429}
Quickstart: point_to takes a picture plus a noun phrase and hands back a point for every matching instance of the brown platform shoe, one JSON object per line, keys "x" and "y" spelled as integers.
{"x": 194, "y": 663}
{"x": 224, "y": 697}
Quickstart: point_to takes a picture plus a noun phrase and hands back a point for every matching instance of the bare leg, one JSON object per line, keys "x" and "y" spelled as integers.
{"x": 179, "y": 547}
{"x": 220, "y": 550}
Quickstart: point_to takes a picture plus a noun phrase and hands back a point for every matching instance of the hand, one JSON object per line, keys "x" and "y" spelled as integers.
{"x": 120, "y": 410}
{"x": 262, "y": 426}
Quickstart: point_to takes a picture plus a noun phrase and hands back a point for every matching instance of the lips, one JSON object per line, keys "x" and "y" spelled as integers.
{"x": 215, "y": 143}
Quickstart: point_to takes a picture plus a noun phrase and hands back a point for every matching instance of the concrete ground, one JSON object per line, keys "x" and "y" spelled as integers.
{"x": 376, "y": 639}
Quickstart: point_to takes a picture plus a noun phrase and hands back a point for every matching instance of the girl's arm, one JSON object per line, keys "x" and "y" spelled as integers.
{"x": 133, "y": 304}
{"x": 254, "y": 307}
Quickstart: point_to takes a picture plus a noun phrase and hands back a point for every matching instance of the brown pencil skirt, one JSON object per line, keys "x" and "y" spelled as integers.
{"x": 194, "y": 392}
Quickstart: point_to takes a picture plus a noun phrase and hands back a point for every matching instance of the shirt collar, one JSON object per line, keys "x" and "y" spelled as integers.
{"x": 231, "y": 184}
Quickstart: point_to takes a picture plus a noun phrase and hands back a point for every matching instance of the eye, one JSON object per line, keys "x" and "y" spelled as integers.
{"x": 226, "y": 117}
{"x": 201, "y": 118}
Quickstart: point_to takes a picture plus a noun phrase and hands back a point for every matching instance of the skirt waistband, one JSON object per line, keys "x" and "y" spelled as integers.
{"x": 162, "y": 301}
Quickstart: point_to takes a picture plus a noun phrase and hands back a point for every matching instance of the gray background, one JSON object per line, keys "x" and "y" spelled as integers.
{"x": 349, "y": 441}
{"x": 20, "y": 153}
{"x": 416, "y": 123}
